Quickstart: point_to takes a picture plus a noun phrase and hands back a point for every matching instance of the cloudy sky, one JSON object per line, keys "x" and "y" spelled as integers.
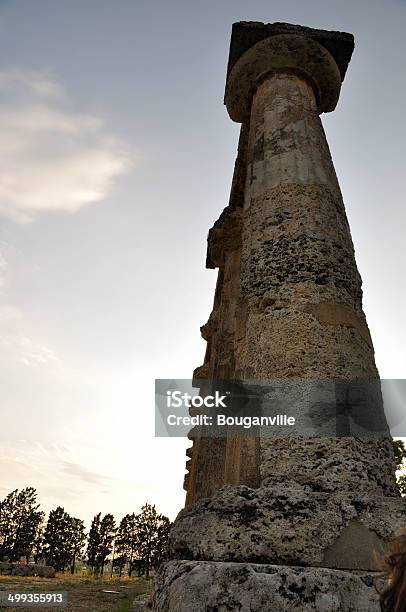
{"x": 116, "y": 156}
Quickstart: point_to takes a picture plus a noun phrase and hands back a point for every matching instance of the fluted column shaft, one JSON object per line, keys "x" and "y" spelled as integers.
{"x": 298, "y": 271}
{"x": 300, "y": 290}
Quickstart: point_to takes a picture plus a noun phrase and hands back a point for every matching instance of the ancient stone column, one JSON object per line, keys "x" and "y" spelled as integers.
{"x": 299, "y": 288}
{"x": 285, "y": 523}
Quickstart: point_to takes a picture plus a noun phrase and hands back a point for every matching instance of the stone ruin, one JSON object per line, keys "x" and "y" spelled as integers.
{"x": 26, "y": 569}
{"x": 290, "y": 523}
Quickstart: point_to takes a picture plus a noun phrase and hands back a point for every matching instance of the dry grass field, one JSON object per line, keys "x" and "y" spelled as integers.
{"x": 85, "y": 594}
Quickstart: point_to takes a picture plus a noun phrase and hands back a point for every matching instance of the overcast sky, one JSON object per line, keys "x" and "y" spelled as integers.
{"x": 116, "y": 156}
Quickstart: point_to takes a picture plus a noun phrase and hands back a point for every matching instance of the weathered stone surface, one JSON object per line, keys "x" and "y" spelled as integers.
{"x": 196, "y": 586}
{"x": 330, "y": 465}
{"x": 285, "y": 524}
{"x": 15, "y": 569}
{"x": 224, "y": 237}
{"x": 45, "y": 571}
{"x": 141, "y": 604}
{"x": 283, "y": 53}
{"x": 297, "y": 256}
{"x": 245, "y": 34}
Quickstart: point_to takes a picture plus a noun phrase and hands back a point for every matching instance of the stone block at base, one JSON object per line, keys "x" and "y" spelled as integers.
{"x": 287, "y": 525}
{"x": 208, "y": 586}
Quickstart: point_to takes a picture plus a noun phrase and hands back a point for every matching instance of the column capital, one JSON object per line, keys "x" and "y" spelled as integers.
{"x": 258, "y": 51}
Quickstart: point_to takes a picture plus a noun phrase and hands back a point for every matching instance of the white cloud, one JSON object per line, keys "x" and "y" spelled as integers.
{"x": 68, "y": 476}
{"x": 51, "y": 158}
{"x": 26, "y": 81}
{"x": 32, "y": 353}
{"x": 19, "y": 347}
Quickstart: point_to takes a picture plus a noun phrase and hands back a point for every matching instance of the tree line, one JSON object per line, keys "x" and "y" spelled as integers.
{"x": 138, "y": 543}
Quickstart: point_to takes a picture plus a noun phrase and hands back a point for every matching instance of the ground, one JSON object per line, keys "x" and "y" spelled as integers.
{"x": 85, "y": 594}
